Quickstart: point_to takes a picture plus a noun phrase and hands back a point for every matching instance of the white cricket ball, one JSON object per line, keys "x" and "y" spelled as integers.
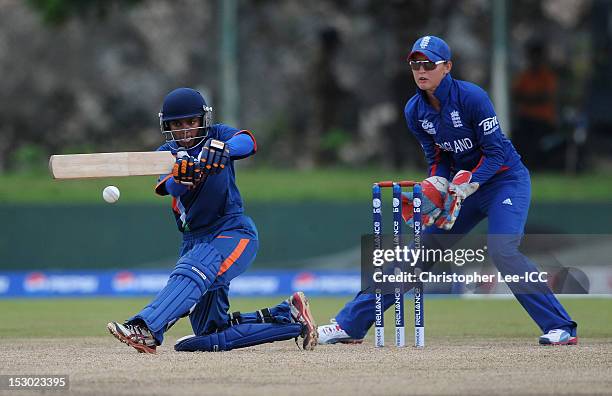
{"x": 111, "y": 194}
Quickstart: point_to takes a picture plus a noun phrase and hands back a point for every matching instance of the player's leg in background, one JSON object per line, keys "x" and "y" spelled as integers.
{"x": 507, "y": 203}
{"x": 216, "y": 330}
{"x": 358, "y": 315}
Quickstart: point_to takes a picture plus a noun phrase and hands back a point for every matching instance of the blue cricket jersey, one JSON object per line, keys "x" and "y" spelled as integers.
{"x": 215, "y": 202}
{"x": 464, "y": 135}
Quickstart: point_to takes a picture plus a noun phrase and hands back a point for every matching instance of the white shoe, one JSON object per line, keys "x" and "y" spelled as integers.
{"x": 558, "y": 337}
{"x": 136, "y": 336}
{"x": 332, "y": 333}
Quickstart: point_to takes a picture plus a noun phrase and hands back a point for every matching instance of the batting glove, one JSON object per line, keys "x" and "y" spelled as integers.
{"x": 186, "y": 169}
{"x": 214, "y": 157}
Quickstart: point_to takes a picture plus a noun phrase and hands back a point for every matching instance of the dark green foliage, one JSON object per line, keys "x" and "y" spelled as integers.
{"x": 57, "y": 12}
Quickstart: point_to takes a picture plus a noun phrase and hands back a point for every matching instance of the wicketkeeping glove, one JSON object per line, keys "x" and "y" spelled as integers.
{"x": 461, "y": 186}
{"x": 435, "y": 190}
{"x": 459, "y": 189}
{"x": 214, "y": 157}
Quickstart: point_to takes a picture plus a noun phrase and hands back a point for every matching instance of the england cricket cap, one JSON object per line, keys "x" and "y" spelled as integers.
{"x": 434, "y": 48}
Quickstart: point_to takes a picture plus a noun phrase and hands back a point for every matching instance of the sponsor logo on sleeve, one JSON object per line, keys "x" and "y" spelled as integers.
{"x": 489, "y": 125}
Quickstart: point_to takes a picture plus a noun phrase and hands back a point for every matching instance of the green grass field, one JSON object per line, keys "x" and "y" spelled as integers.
{"x": 445, "y": 317}
{"x": 277, "y": 184}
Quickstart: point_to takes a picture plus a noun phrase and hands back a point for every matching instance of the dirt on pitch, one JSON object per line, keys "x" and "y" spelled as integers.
{"x": 105, "y": 366}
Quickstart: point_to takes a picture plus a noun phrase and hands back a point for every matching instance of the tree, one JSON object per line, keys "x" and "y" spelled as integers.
{"x": 57, "y": 12}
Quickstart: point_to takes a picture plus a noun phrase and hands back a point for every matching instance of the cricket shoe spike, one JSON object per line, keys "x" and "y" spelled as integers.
{"x": 332, "y": 334}
{"x": 558, "y": 337}
{"x": 136, "y": 336}
{"x": 300, "y": 313}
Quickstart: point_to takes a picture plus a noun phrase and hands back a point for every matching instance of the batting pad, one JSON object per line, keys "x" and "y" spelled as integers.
{"x": 239, "y": 336}
{"x": 192, "y": 276}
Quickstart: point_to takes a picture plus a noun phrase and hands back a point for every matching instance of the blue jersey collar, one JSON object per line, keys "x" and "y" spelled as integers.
{"x": 443, "y": 90}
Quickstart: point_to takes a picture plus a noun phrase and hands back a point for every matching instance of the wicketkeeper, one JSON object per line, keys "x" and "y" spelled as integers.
{"x": 455, "y": 123}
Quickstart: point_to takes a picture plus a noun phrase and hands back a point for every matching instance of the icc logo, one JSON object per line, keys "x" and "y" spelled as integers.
{"x": 428, "y": 126}
{"x": 376, "y": 203}
{"x": 395, "y": 202}
{"x": 425, "y": 124}
{"x": 417, "y": 202}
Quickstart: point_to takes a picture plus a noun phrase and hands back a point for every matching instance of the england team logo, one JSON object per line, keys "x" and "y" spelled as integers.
{"x": 425, "y": 42}
{"x": 456, "y": 119}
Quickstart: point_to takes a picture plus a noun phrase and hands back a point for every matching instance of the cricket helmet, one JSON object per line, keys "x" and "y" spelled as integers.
{"x": 184, "y": 103}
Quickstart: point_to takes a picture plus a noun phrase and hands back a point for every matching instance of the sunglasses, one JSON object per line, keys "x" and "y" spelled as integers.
{"x": 427, "y": 65}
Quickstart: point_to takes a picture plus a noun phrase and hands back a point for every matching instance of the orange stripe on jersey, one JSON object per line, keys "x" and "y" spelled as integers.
{"x": 224, "y": 237}
{"x": 233, "y": 256}
{"x": 175, "y": 207}
{"x": 158, "y": 187}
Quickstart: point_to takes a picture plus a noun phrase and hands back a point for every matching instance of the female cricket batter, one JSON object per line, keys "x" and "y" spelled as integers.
{"x": 219, "y": 242}
{"x": 455, "y": 123}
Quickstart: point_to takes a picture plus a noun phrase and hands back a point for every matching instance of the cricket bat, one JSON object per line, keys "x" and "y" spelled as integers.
{"x": 80, "y": 166}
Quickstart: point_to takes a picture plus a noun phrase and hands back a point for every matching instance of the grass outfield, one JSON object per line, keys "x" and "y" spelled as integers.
{"x": 277, "y": 184}
{"x": 446, "y": 318}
